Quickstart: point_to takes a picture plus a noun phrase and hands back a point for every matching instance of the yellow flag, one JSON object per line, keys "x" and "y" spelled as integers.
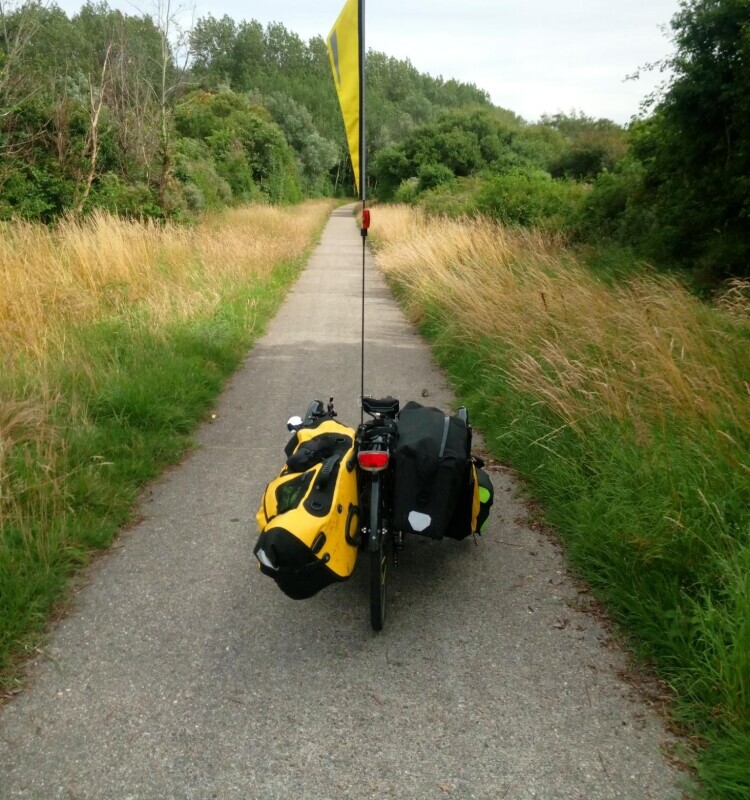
{"x": 345, "y": 52}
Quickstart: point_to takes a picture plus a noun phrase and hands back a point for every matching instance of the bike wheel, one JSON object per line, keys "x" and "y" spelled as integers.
{"x": 378, "y": 558}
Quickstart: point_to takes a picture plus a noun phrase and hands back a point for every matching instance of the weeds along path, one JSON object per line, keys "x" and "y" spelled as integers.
{"x": 185, "y": 673}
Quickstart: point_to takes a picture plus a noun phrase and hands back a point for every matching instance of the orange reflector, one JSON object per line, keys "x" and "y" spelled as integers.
{"x": 373, "y": 460}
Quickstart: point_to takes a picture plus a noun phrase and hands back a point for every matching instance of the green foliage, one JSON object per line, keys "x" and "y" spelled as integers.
{"x": 462, "y": 142}
{"x": 408, "y": 191}
{"x": 249, "y": 151}
{"x": 512, "y": 161}
{"x": 530, "y": 198}
{"x": 266, "y": 115}
{"x": 316, "y": 154}
{"x": 29, "y": 192}
{"x": 390, "y": 168}
{"x": 696, "y": 147}
{"x": 581, "y": 163}
{"x": 293, "y": 78}
{"x": 136, "y": 200}
{"x": 454, "y": 199}
{"x": 533, "y": 145}
{"x": 616, "y": 208}
{"x": 432, "y": 175}
{"x": 203, "y": 188}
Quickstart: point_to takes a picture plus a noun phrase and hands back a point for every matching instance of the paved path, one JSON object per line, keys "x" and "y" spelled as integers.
{"x": 184, "y": 673}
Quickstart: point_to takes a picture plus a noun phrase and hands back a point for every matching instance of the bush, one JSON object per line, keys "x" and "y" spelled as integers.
{"x": 617, "y": 209}
{"x": 432, "y": 175}
{"x": 32, "y": 193}
{"x": 455, "y": 199}
{"x": 194, "y": 167}
{"x": 582, "y": 162}
{"x": 407, "y": 192}
{"x": 390, "y": 168}
{"x": 249, "y": 151}
{"x": 531, "y": 198}
{"x": 127, "y": 200}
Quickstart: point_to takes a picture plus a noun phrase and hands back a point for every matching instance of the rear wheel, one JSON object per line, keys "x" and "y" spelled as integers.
{"x": 378, "y": 558}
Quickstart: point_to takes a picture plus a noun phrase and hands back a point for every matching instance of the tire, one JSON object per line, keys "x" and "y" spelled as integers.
{"x": 378, "y": 559}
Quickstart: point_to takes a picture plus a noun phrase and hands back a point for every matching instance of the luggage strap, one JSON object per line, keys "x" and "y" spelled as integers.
{"x": 445, "y": 437}
{"x": 325, "y": 472}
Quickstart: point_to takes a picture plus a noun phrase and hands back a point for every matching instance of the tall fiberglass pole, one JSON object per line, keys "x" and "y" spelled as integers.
{"x": 362, "y": 185}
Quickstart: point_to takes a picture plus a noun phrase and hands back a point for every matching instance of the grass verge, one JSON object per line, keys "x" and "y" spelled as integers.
{"x": 626, "y": 407}
{"x": 116, "y": 338}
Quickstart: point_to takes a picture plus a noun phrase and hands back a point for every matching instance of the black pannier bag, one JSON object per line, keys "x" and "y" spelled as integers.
{"x": 486, "y": 497}
{"x": 474, "y": 502}
{"x": 432, "y": 472}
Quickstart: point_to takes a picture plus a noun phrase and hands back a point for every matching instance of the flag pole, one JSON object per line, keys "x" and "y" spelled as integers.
{"x": 362, "y": 188}
{"x": 346, "y": 34}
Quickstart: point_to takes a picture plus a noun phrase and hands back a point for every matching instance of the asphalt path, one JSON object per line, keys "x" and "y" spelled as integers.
{"x": 184, "y": 673}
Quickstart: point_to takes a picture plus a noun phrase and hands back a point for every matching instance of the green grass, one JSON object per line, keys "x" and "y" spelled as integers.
{"x": 657, "y": 522}
{"x": 123, "y": 412}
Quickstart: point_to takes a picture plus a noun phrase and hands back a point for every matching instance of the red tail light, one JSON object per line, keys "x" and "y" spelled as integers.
{"x": 373, "y": 460}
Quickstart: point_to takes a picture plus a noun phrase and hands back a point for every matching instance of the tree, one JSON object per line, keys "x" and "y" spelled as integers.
{"x": 174, "y": 38}
{"x": 316, "y": 154}
{"x": 696, "y": 148}
{"x": 97, "y": 88}
{"x": 19, "y": 22}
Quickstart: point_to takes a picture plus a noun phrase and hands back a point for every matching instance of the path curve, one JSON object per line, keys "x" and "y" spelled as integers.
{"x": 184, "y": 673}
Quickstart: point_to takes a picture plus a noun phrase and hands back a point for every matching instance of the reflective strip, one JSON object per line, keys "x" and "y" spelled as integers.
{"x": 265, "y": 560}
{"x": 419, "y": 522}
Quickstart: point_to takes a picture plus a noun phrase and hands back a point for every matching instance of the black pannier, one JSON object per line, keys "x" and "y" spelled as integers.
{"x": 432, "y": 471}
{"x": 474, "y": 502}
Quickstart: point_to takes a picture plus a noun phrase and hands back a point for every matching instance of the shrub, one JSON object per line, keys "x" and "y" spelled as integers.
{"x": 455, "y": 199}
{"x": 113, "y": 194}
{"x": 531, "y": 198}
{"x": 195, "y": 167}
{"x": 407, "y": 192}
{"x": 432, "y": 175}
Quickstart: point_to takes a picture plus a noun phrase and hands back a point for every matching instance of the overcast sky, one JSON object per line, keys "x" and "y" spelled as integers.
{"x": 532, "y": 56}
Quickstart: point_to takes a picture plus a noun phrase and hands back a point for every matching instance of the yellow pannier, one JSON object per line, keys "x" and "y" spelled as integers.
{"x": 309, "y": 516}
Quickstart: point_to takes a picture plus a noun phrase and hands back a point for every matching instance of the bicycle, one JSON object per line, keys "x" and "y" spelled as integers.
{"x": 376, "y": 439}
{"x": 374, "y": 445}
{"x": 380, "y": 513}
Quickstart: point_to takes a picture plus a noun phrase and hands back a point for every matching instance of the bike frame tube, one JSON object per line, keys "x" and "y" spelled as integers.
{"x": 375, "y": 523}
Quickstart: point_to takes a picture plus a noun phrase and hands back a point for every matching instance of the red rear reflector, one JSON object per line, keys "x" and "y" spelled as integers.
{"x": 366, "y": 218}
{"x": 373, "y": 460}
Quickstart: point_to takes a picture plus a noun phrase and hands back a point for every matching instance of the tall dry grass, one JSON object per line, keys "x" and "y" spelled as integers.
{"x": 56, "y": 281}
{"x": 104, "y": 266}
{"x": 627, "y": 409}
{"x": 638, "y": 351}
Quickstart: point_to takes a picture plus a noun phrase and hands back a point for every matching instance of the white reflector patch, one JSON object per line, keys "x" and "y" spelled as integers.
{"x": 265, "y": 560}
{"x": 419, "y": 521}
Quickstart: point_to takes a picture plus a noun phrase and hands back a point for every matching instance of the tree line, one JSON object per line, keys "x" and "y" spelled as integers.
{"x": 673, "y": 186}
{"x": 140, "y": 116}
{"x": 137, "y": 115}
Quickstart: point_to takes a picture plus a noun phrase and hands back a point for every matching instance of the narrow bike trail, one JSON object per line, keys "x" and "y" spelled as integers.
{"x": 184, "y": 673}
